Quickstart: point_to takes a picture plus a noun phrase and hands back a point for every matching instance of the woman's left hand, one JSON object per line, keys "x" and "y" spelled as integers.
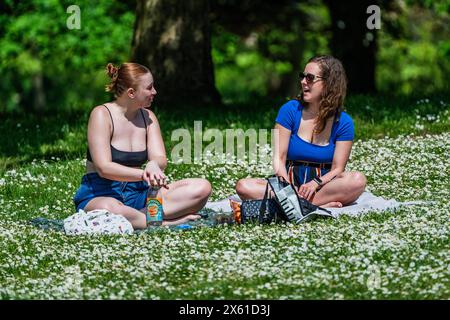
{"x": 308, "y": 190}
{"x": 154, "y": 176}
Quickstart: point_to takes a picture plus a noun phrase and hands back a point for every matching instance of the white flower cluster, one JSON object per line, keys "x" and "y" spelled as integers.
{"x": 389, "y": 255}
{"x": 424, "y": 121}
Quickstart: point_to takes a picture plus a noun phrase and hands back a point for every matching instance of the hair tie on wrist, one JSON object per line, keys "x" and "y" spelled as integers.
{"x": 318, "y": 181}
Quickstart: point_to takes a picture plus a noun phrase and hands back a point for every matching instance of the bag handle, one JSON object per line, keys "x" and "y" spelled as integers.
{"x": 264, "y": 204}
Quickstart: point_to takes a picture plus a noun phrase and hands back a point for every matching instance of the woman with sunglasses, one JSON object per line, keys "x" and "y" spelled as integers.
{"x": 315, "y": 140}
{"x": 126, "y": 156}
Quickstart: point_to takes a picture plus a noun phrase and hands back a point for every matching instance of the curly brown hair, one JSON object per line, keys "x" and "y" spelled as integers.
{"x": 334, "y": 89}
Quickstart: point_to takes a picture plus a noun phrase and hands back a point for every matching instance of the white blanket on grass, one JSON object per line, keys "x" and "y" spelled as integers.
{"x": 365, "y": 203}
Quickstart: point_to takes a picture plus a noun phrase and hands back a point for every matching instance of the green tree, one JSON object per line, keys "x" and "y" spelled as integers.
{"x": 45, "y": 65}
{"x": 414, "y": 55}
{"x": 353, "y": 43}
{"x": 173, "y": 38}
{"x": 264, "y": 45}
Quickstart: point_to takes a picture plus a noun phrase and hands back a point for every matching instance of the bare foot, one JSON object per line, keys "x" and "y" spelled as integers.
{"x": 173, "y": 222}
{"x": 194, "y": 216}
{"x": 332, "y": 204}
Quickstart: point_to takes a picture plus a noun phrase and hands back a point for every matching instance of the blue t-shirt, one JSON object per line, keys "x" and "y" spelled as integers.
{"x": 290, "y": 115}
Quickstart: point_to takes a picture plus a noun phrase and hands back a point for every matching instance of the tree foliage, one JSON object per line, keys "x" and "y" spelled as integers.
{"x": 36, "y": 42}
{"x": 257, "y": 48}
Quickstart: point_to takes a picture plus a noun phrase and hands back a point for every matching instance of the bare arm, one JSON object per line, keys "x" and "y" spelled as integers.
{"x": 99, "y": 137}
{"x": 281, "y": 144}
{"x": 155, "y": 144}
{"x": 340, "y": 159}
{"x": 154, "y": 170}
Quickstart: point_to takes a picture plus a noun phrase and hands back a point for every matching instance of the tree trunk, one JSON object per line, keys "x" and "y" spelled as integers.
{"x": 173, "y": 39}
{"x": 290, "y": 82}
{"x": 353, "y": 43}
{"x": 38, "y": 94}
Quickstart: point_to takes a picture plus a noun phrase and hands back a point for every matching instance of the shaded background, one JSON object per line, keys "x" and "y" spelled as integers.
{"x": 229, "y": 63}
{"x": 220, "y": 51}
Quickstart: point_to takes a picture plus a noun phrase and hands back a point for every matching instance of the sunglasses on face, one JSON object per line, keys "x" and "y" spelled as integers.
{"x": 310, "y": 78}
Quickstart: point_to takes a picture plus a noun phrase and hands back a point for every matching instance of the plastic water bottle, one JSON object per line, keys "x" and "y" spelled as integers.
{"x": 155, "y": 213}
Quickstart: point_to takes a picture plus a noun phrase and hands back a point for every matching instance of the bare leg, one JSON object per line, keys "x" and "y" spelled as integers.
{"x": 136, "y": 218}
{"x": 181, "y": 220}
{"x": 251, "y": 188}
{"x": 344, "y": 189}
{"x": 185, "y": 197}
{"x": 180, "y": 201}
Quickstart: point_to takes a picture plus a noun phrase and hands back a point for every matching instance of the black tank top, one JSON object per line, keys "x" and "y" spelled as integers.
{"x": 126, "y": 158}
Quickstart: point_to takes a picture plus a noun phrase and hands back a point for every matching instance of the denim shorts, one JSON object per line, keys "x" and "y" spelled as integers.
{"x": 132, "y": 194}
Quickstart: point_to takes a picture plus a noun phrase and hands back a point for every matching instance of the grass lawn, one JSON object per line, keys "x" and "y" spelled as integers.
{"x": 402, "y": 147}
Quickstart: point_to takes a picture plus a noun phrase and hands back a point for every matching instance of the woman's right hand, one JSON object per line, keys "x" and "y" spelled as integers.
{"x": 154, "y": 176}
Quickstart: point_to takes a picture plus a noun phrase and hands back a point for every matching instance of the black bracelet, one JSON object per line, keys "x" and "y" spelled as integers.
{"x": 318, "y": 181}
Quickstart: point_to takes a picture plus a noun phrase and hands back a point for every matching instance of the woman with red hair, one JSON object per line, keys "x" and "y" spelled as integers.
{"x": 123, "y": 136}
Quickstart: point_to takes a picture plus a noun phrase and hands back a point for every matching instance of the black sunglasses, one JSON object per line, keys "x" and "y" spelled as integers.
{"x": 310, "y": 78}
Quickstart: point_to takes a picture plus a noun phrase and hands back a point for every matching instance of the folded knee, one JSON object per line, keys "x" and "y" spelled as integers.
{"x": 242, "y": 187}
{"x": 200, "y": 188}
{"x": 111, "y": 206}
{"x": 359, "y": 180}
